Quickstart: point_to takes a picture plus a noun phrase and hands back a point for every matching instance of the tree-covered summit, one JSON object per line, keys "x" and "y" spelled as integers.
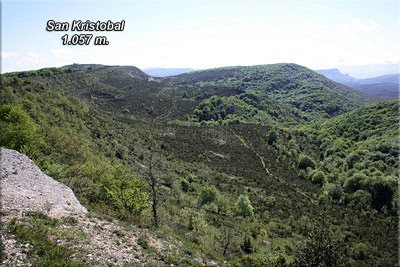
{"x": 291, "y": 84}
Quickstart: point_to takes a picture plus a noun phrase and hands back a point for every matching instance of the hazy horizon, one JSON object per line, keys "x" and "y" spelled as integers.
{"x": 359, "y": 72}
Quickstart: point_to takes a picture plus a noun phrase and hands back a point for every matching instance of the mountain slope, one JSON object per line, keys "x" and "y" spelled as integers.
{"x": 290, "y": 84}
{"x": 361, "y": 149}
{"x": 99, "y": 132}
{"x": 114, "y": 89}
{"x": 382, "y": 87}
{"x": 379, "y": 91}
{"x": 375, "y": 120}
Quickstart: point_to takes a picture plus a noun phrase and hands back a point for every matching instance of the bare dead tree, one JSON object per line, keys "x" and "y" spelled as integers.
{"x": 228, "y": 241}
{"x": 153, "y": 183}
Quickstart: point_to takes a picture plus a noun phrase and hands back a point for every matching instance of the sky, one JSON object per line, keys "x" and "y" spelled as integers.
{"x": 205, "y": 33}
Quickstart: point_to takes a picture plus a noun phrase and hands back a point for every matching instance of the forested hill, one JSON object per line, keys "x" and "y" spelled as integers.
{"x": 360, "y": 149}
{"x": 380, "y": 120}
{"x": 116, "y": 72}
{"x": 286, "y": 93}
{"x": 291, "y": 84}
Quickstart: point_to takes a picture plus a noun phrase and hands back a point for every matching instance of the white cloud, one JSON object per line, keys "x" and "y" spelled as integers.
{"x": 60, "y": 53}
{"x": 13, "y": 61}
{"x": 32, "y": 57}
{"x": 7, "y": 54}
{"x": 366, "y": 25}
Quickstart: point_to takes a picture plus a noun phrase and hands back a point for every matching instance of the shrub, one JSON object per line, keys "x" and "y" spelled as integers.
{"x": 124, "y": 192}
{"x": 263, "y": 260}
{"x": 355, "y": 182}
{"x": 333, "y": 190}
{"x": 185, "y": 185}
{"x": 208, "y": 194}
{"x": 271, "y": 201}
{"x": 379, "y": 165}
{"x": 382, "y": 191}
{"x": 321, "y": 248}
{"x": 360, "y": 252}
{"x": 224, "y": 205}
{"x": 119, "y": 233}
{"x": 18, "y": 130}
{"x": 212, "y": 207}
{"x": 352, "y": 159}
{"x": 243, "y": 207}
{"x": 361, "y": 200}
{"x": 272, "y": 137}
{"x": 143, "y": 242}
{"x": 332, "y": 177}
{"x": 318, "y": 178}
{"x": 305, "y": 162}
{"x": 247, "y": 245}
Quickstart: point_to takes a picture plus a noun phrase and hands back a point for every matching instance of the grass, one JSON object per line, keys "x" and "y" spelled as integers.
{"x": 119, "y": 233}
{"x": 43, "y": 251}
{"x": 143, "y": 242}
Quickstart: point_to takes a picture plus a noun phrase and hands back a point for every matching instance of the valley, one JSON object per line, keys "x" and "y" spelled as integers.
{"x": 236, "y": 166}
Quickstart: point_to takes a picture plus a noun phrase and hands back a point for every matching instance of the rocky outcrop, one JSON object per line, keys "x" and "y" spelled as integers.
{"x": 24, "y": 187}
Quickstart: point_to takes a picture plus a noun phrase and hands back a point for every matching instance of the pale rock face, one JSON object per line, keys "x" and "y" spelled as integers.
{"x": 24, "y": 187}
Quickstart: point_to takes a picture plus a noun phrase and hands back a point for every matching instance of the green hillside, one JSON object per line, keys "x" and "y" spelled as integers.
{"x": 376, "y": 121}
{"x": 360, "y": 150}
{"x": 247, "y": 107}
{"x": 240, "y": 173}
{"x": 124, "y": 89}
{"x": 291, "y": 84}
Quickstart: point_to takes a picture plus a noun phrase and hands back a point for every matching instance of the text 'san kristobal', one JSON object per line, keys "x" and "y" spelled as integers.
{"x": 78, "y": 25}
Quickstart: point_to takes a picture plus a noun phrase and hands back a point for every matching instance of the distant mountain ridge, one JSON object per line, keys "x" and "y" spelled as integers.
{"x": 164, "y": 72}
{"x": 383, "y": 87}
{"x": 337, "y": 76}
{"x": 370, "y": 70}
{"x": 389, "y": 78}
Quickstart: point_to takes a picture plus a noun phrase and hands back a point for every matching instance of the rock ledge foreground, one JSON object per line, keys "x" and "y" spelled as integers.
{"x": 24, "y": 187}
